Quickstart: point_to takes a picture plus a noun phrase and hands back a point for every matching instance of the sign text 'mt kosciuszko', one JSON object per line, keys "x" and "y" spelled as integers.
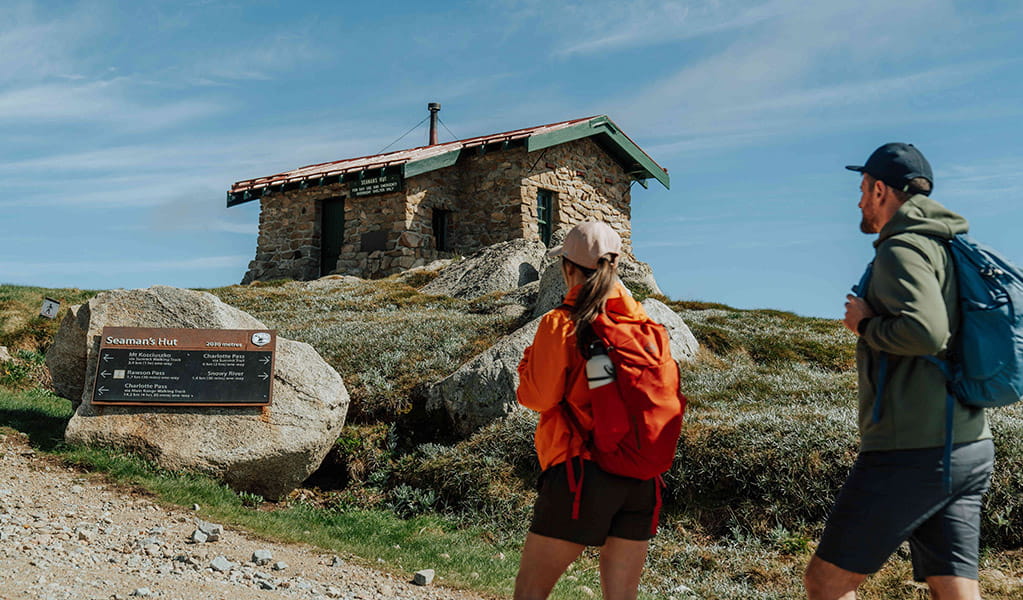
{"x": 185, "y": 367}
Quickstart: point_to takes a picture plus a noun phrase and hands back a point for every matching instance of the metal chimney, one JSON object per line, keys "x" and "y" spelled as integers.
{"x": 434, "y": 109}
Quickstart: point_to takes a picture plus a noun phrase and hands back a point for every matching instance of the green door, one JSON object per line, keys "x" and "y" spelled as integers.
{"x": 332, "y": 233}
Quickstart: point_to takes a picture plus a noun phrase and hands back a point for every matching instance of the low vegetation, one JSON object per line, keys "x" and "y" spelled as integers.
{"x": 769, "y": 438}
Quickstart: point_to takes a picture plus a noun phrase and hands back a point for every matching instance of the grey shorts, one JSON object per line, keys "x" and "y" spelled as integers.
{"x": 899, "y": 495}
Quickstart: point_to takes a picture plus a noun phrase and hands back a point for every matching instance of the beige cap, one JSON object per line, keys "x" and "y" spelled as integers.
{"x": 587, "y": 242}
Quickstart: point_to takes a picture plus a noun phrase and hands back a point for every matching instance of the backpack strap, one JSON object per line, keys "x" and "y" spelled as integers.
{"x": 658, "y": 502}
{"x": 575, "y": 486}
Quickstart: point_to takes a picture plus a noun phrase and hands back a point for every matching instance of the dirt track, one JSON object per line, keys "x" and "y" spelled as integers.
{"x": 65, "y": 536}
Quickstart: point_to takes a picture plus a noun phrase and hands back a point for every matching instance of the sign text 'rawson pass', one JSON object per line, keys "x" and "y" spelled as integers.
{"x": 185, "y": 367}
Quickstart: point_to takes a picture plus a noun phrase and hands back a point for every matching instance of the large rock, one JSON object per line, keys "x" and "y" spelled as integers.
{"x": 483, "y": 389}
{"x": 498, "y": 268}
{"x": 268, "y": 451}
{"x": 683, "y": 343}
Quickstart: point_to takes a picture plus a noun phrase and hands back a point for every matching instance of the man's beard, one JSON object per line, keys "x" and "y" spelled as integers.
{"x": 866, "y": 227}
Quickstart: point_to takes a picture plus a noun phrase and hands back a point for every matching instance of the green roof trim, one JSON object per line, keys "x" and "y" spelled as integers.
{"x": 418, "y": 167}
{"x": 616, "y": 142}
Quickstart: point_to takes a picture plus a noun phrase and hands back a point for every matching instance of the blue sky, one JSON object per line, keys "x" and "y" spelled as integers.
{"x": 123, "y": 124}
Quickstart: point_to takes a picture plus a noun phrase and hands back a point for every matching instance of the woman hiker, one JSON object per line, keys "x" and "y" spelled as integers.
{"x": 616, "y": 513}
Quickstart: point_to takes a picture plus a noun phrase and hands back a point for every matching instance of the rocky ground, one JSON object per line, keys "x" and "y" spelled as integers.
{"x": 64, "y": 535}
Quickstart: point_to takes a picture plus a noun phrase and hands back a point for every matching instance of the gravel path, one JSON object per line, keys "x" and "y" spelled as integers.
{"x": 65, "y": 537}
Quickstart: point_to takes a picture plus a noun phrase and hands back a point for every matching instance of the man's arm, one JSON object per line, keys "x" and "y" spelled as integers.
{"x": 912, "y": 319}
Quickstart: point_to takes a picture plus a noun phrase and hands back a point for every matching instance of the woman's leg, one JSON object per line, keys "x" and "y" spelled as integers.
{"x": 621, "y": 563}
{"x": 544, "y": 559}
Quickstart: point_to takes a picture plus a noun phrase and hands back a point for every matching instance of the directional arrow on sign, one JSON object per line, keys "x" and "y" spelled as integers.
{"x": 102, "y": 390}
{"x": 107, "y": 357}
{"x": 264, "y": 376}
{"x": 105, "y": 373}
{"x": 265, "y": 360}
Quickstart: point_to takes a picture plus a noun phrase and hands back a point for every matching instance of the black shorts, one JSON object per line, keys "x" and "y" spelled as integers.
{"x": 610, "y": 506}
{"x": 899, "y": 495}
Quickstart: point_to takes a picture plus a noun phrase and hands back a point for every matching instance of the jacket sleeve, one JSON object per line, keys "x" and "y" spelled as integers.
{"x": 545, "y": 365}
{"x": 912, "y": 318}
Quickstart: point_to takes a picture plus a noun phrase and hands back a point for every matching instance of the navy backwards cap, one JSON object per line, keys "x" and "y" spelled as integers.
{"x": 896, "y": 164}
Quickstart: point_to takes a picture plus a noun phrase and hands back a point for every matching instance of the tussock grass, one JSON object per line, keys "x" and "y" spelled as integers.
{"x": 768, "y": 440}
{"x": 21, "y": 327}
{"x": 385, "y": 338}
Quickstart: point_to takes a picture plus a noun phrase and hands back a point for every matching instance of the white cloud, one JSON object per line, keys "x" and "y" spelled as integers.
{"x": 816, "y": 70}
{"x": 107, "y": 102}
{"x": 607, "y": 26}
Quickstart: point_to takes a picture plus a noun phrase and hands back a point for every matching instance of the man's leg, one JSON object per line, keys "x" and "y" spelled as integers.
{"x": 544, "y": 559}
{"x": 826, "y": 581}
{"x": 621, "y": 564}
{"x": 946, "y": 547}
{"x": 948, "y": 587}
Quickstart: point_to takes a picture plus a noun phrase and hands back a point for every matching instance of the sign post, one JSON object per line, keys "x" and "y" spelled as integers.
{"x": 50, "y": 308}
{"x": 144, "y": 366}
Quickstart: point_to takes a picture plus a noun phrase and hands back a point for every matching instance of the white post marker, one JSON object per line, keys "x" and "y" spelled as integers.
{"x": 50, "y": 308}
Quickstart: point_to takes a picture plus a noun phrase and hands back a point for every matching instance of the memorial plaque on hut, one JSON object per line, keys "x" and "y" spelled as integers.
{"x": 146, "y": 366}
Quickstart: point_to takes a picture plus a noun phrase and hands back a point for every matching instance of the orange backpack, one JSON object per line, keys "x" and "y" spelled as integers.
{"x": 637, "y": 419}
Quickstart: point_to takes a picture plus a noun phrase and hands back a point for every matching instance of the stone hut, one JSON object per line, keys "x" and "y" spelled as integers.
{"x": 378, "y": 215}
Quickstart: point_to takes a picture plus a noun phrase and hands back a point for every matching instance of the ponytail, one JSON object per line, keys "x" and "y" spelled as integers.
{"x": 599, "y": 284}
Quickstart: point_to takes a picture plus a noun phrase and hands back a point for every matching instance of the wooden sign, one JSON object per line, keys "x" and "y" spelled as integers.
{"x": 144, "y": 366}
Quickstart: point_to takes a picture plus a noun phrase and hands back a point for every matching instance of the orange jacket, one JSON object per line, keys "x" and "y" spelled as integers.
{"x": 549, "y": 372}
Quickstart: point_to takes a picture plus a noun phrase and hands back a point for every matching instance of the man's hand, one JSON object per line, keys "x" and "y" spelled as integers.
{"x": 856, "y": 309}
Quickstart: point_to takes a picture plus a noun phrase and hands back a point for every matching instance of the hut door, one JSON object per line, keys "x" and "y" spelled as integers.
{"x": 332, "y": 233}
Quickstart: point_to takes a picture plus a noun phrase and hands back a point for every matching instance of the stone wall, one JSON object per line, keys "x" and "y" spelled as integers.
{"x": 588, "y": 185}
{"x": 491, "y": 198}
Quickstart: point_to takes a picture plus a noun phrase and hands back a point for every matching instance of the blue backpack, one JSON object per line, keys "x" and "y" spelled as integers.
{"x": 985, "y": 366}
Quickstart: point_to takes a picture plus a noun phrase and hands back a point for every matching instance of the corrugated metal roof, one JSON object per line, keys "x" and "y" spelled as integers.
{"x": 425, "y": 158}
{"x": 391, "y": 159}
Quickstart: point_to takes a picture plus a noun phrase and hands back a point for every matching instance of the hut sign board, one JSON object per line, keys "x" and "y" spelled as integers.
{"x": 146, "y": 366}
{"x": 384, "y": 184}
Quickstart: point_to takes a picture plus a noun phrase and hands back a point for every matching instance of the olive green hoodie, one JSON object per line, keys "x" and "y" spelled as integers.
{"x": 913, "y": 291}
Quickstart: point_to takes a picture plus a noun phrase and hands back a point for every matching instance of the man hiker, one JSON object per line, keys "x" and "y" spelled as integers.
{"x": 906, "y": 310}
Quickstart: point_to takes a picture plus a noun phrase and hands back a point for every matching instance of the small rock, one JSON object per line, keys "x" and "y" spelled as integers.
{"x": 424, "y": 577}
{"x": 336, "y": 561}
{"x": 221, "y": 564}
{"x": 212, "y": 530}
{"x": 198, "y": 537}
{"x": 195, "y": 507}
{"x": 266, "y": 585}
{"x": 280, "y": 565}
{"x": 681, "y": 589}
{"x": 143, "y": 591}
{"x": 262, "y": 557}
{"x": 77, "y": 490}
